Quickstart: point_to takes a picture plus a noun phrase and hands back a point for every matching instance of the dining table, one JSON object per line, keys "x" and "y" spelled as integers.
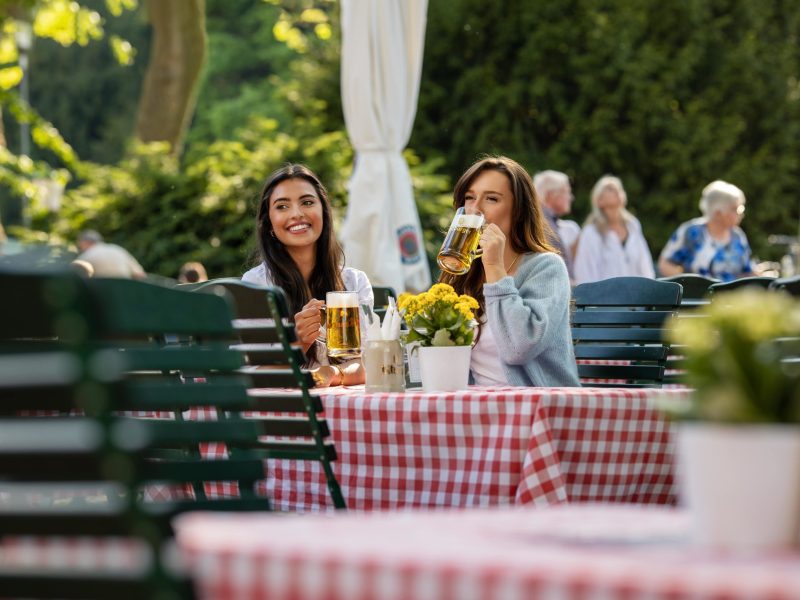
{"x": 572, "y": 551}
{"x": 488, "y": 446}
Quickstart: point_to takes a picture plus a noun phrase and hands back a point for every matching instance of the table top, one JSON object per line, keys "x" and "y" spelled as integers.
{"x": 568, "y": 551}
{"x": 488, "y": 447}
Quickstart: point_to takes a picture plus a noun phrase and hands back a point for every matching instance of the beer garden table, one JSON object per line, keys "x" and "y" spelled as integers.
{"x": 488, "y": 447}
{"x": 569, "y": 551}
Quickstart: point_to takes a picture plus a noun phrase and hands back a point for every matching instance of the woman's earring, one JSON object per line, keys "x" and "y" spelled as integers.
{"x": 272, "y": 232}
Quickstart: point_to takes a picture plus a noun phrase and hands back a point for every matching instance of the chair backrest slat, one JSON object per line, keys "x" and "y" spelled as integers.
{"x": 787, "y": 284}
{"x": 728, "y": 286}
{"x": 695, "y": 287}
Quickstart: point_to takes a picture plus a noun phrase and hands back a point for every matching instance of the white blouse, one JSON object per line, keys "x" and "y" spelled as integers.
{"x": 485, "y": 362}
{"x": 354, "y": 281}
{"x": 600, "y": 257}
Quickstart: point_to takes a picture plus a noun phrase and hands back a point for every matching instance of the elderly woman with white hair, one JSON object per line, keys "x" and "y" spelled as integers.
{"x": 712, "y": 245}
{"x": 611, "y": 243}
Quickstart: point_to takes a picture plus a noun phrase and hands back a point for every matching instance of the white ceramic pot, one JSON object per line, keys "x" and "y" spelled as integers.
{"x": 444, "y": 368}
{"x": 741, "y": 483}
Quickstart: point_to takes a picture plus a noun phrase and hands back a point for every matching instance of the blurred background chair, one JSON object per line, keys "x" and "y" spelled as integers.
{"x": 618, "y": 330}
{"x": 727, "y": 286}
{"x": 695, "y": 288}
{"x": 787, "y": 284}
{"x": 382, "y": 295}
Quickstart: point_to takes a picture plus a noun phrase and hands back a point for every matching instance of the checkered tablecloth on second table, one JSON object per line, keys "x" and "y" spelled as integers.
{"x": 487, "y": 447}
{"x": 571, "y": 552}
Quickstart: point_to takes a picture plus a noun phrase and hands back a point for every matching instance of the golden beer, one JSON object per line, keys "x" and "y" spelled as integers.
{"x": 460, "y": 246}
{"x": 343, "y": 325}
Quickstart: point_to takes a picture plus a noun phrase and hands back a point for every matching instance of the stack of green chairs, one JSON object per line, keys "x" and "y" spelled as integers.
{"x": 81, "y": 363}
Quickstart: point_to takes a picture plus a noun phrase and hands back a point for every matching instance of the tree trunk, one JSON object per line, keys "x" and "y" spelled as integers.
{"x": 176, "y": 57}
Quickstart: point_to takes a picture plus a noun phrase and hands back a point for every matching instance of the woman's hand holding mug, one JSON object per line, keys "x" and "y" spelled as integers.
{"x": 307, "y": 323}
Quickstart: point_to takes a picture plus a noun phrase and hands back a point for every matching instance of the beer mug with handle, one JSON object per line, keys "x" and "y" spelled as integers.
{"x": 343, "y": 325}
{"x": 460, "y": 246}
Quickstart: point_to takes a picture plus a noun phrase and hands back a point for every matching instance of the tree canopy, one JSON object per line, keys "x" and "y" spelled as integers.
{"x": 667, "y": 96}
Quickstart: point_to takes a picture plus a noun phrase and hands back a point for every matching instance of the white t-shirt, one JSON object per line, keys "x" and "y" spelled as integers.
{"x": 485, "y": 360}
{"x": 568, "y": 231}
{"x": 601, "y": 257}
{"x": 353, "y": 280}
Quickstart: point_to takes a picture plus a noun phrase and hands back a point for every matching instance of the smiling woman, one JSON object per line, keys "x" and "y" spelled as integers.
{"x": 301, "y": 255}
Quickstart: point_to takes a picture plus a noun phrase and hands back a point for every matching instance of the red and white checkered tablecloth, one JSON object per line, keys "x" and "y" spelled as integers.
{"x": 487, "y": 447}
{"x": 571, "y": 552}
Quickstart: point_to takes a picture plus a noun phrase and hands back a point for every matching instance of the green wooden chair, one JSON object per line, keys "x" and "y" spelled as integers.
{"x": 282, "y": 388}
{"x": 85, "y": 352}
{"x": 695, "y": 288}
{"x": 727, "y": 286}
{"x": 790, "y": 285}
{"x": 618, "y": 330}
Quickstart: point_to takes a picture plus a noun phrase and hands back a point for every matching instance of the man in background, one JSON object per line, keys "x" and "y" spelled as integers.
{"x": 107, "y": 260}
{"x": 555, "y": 194}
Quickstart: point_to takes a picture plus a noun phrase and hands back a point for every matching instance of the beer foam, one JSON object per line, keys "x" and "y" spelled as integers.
{"x": 470, "y": 221}
{"x": 341, "y": 300}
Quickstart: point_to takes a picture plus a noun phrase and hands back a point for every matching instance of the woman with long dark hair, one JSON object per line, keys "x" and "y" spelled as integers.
{"x": 520, "y": 282}
{"x": 301, "y": 255}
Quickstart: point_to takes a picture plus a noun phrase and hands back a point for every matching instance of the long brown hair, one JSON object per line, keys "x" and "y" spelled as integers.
{"x": 326, "y": 275}
{"x": 529, "y": 229}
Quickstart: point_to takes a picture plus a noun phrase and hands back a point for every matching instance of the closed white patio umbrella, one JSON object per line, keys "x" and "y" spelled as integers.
{"x": 382, "y": 47}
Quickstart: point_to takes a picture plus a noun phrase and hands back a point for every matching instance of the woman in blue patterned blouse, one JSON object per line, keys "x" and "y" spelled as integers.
{"x": 713, "y": 245}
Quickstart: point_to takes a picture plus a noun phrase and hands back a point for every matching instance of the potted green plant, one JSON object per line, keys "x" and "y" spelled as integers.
{"x": 739, "y": 436}
{"x": 441, "y": 323}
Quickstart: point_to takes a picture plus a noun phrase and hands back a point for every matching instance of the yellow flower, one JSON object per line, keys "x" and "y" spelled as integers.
{"x": 439, "y": 317}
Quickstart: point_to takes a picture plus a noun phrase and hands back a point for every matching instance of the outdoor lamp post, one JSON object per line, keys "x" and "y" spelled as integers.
{"x": 24, "y": 38}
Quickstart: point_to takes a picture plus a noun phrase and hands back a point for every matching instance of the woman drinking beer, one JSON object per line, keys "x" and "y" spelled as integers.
{"x": 301, "y": 255}
{"x": 519, "y": 281}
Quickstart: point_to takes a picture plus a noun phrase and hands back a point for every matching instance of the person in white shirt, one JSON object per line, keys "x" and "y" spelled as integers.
{"x": 555, "y": 193}
{"x": 107, "y": 260}
{"x": 611, "y": 243}
{"x": 300, "y": 254}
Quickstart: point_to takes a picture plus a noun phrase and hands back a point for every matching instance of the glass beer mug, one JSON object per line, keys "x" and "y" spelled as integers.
{"x": 343, "y": 325}
{"x": 460, "y": 246}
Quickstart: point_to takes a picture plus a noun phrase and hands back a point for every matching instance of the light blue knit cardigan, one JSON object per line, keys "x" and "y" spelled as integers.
{"x": 529, "y": 317}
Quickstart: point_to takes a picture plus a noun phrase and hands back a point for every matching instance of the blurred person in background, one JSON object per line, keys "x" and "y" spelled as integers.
{"x": 712, "y": 245}
{"x": 611, "y": 243}
{"x": 107, "y": 260}
{"x": 192, "y": 272}
{"x": 555, "y": 193}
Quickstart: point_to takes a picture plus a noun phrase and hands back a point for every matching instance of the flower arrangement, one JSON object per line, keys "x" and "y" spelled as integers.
{"x": 439, "y": 317}
{"x": 736, "y": 352}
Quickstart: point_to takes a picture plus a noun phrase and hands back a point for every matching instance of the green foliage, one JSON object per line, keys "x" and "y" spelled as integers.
{"x": 90, "y": 93}
{"x": 668, "y": 96}
{"x": 733, "y": 351}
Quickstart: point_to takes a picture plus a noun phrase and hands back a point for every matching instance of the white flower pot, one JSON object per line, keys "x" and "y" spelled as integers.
{"x": 444, "y": 368}
{"x": 742, "y": 484}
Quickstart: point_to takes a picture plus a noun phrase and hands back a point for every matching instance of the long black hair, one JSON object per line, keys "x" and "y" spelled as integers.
{"x": 327, "y": 273}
